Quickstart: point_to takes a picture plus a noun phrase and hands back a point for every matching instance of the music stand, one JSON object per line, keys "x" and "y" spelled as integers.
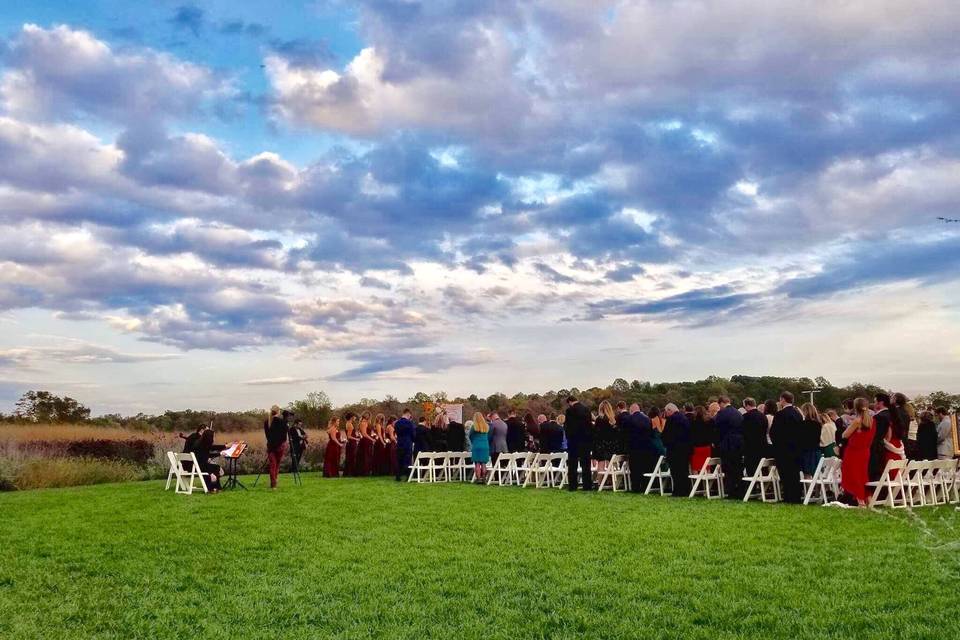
{"x": 232, "y": 455}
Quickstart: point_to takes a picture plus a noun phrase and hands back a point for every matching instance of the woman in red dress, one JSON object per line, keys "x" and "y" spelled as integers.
{"x": 390, "y": 437}
{"x": 331, "y": 457}
{"x": 381, "y": 465}
{"x": 702, "y": 431}
{"x": 856, "y": 455}
{"x": 365, "y": 446}
{"x": 350, "y": 461}
{"x": 893, "y": 441}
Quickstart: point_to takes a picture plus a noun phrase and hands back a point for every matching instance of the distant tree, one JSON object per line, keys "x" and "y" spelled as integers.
{"x": 314, "y": 410}
{"x": 43, "y": 406}
{"x": 620, "y": 387}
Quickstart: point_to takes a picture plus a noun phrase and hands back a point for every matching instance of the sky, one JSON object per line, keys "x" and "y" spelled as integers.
{"x": 227, "y": 205}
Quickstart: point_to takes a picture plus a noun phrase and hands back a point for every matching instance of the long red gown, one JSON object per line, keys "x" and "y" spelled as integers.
{"x": 890, "y": 455}
{"x": 364, "y": 457}
{"x": 856, "y": 459}
{"x": 331, "y": 459}
{"x": 698, "y": 456}
{"x": 381, "y": 466}
{"x": 350, "y": 462}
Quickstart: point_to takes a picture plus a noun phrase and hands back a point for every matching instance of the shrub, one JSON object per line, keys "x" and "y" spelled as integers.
{"x": 133, "y": 450}
{"x": 71, "y": 472}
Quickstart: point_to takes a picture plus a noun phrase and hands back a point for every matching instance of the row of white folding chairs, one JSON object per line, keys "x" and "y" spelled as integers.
{"x": 441, "y": 466}
{"x": 185, "y": 481}
{"x": 917, "y": 483}
{"x": 617, "y": 473}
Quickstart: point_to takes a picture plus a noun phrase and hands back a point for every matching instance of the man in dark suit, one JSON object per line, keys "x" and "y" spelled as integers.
{"x": 882, "y": 420}
{"x": 729, "y": 423}
{"x": 754, "y": 428}
{"x": 516, "y": 433}
{"x": 579, "y": 428}
{"x": 405, "y": 432}
{"x": 786, "y": 434}
{"x": 639, "y": 444}
{"x": 676, "y": 438}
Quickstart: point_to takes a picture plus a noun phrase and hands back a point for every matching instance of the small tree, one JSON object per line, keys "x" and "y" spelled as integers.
{"x": 43, "y": 406}
{"x": 314, "y": 410}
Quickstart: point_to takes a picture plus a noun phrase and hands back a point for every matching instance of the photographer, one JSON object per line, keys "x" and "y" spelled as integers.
{"x": 298, "y": 441}
{"x": 275, "y": 430}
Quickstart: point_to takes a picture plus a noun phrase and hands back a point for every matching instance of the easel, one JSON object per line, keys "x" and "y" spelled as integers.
{"x": 232, "y": 481}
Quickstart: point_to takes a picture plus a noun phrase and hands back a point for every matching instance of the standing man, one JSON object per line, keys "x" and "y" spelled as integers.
{"x": 516, "y": 433}
{"x": 676, "y": 438}
{"x": 729, "y": 424}
{"x": 579, "y": 430}
{"x": 498, "y": 436}
{"x": 405, "y": 432}
{"x": 298, "y": 441}
{"x": 641, "y": 452}
{"x": 944, "y": 435}
{"x": 754, "y": 429}
{"x": 881, "y": 419}
{"x": 785, "y": 434}
{"x": 275, "y": 429}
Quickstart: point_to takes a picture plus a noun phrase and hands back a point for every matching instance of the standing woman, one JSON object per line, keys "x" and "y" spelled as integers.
{"x": 769, "y": 410}
{"x": 331, "y": 457}
{"x": 702, "y": 433}
{"x": 605, "y": 437}
{"x": 365, "y": 447}
{"x": 658, "y": 422}
{"x": 353, "y": 439}
{"x": 479, "y": 447}
{"x": 856, "y": 455}
{"x": 828, "y": 436}
{"x": 533, "y": 431}
{"x": 390, "y": 439}
{"x": 893, "y": 439}
{"x": 204, "y": 450}
{"x": 381, "y": 465}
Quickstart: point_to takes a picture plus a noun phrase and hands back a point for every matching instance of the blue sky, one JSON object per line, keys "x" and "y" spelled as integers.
{"x": 230, "y": 204}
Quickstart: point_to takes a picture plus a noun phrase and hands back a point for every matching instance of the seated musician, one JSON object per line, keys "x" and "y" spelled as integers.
{"x": 204, "y": 450}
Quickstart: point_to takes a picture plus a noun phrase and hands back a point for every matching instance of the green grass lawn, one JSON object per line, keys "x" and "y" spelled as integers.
{"x": 371, "y": 558}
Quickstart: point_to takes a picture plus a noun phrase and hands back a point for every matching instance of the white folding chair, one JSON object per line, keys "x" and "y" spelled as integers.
{"x": 186, "y": 479}
{"x": 172, "y": 459}
{"x": 709, "y": 473}
{"x": 824, "y": 481}
{"x": 914, "y": 487}
{"x": 659, "y": 475}
{"x": 615, "y": 474}
{"x": 537, "y": 475}
{"x": 522, "y": 466}
{"x": 440, "y": 469}
{"x": 943, "y": 481}
{"x": 895, "y": 497}
{"x": 765, "y": 477}
{"x": 421, "y": 468}
{"x": 502, "y": 471}
{"x": 558, "y": 475}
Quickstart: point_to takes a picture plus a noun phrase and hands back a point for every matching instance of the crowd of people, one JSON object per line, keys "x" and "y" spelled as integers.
{"x": 865, "y": 433}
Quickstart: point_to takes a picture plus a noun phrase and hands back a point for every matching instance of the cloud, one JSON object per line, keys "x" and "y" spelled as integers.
{"x": 63, "y": 72}
{"x": 76, "y": 352}
{"x": 282, "y": 380}
{"x": 375, "y": 363}
{"x": 188, "y": 17}
{"x": 689, "y": 307}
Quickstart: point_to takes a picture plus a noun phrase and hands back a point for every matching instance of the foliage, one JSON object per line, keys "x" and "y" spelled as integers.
{"x": 314, "y": 410}
{"x": 66, "y": 472}
{"x": 43, "y": 406}
{"x": 355, "y": 558}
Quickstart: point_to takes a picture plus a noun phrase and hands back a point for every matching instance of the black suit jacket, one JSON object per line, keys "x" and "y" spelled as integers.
{"x": 579, "y": 428}
{"x": 754, "y": 428}
{"x": 786, "y": 432}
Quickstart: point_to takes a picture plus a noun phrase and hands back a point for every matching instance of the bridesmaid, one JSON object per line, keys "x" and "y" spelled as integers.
{"x": 380, "y": 467}
{"x": 350, "y": 463}
{"x": 331, "y": 457}
{"x": 856, "y": 455}
{"x": 365, "y": 447}
{"x": 390, "y": 438}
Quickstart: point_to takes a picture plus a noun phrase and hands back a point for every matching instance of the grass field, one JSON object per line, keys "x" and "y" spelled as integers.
{"x": 355, "y": 558}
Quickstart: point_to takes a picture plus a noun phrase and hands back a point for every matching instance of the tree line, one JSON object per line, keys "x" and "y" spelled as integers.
{"x": 316, "y": 408}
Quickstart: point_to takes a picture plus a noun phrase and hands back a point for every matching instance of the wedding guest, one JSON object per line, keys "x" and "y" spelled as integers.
{"x": 854, "y": 470}
{"x": 456, "y": 436}
{"x": 365, "y": 446}
{"x": 641, "y": 450}
{"x": 755, "y": 427}
{"x": 729, "y": 424}
{"x": 926, "y": 437}
{"x": 560, "y": 419}
{"x": 498, "y": 436}
{"x": 703, "y": 435}
{"x": 810, "y": 439}
{"x": 516, "y": 433}
{"x": 882, "y": 420}
{"x": 406, "y": 434}
{"x": 656, "y": 419}
{"x": 276, "y": 434}
{"x": 770, "y": 409}
{"x": 335, "y": 444}
{"x": 381, "y": 459}
{"x": 676, "y": 438}
{"x": 298, "y": 442}
{"x": 605, "y": 436}
{"x": 422, "y": 439}
{"x": 579, "y": 431}
{"x": 893, "y": 449}
{"x": 438, "y": 434}
{"x": 786, "y": 435}
{"x": 533, "y": 432}
{"x": 828, "y": 435}
{"x": 906, "y": 417}
{"x": 479, "y": 435}
{"x": 944, "y": 435}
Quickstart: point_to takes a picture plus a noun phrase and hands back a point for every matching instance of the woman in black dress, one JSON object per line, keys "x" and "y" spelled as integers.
{"x": 204, "y": 450}
{"x": 605, "y": 440}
